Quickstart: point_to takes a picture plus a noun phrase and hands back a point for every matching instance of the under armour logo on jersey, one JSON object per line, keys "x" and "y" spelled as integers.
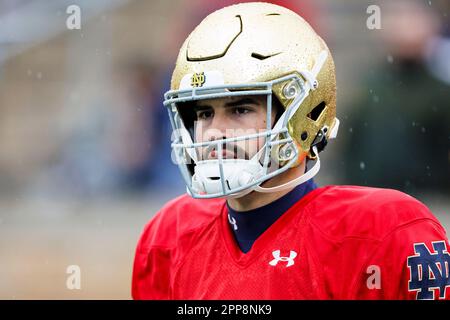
{"x": 278, "y": 258}
{"x": 232, "y": 221}
{"x": 429, "y": 271}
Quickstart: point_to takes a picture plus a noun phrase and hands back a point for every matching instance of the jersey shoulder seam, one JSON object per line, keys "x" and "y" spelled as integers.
{"x": 185, "y": 232}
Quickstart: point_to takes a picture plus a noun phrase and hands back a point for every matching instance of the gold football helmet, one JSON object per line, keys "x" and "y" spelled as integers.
{"x": 254, "y": 49}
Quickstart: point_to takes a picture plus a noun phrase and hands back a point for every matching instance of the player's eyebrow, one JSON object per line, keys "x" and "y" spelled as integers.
{"x": 231, "y": 104}
{"x": 241, "y": 102}
{"x": 201, "y": 108}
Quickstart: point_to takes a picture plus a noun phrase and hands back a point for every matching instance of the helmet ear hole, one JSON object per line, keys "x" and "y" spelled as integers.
{"x": 317, "y": 111}
{"x": 304, "y": 135}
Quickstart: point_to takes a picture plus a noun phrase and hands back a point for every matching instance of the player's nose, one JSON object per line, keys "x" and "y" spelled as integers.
{"x": 218, "y": 129}
{"x": 220, "y": 123}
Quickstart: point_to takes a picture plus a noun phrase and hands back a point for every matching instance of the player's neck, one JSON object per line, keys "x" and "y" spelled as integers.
{"x": 255, "y": 200}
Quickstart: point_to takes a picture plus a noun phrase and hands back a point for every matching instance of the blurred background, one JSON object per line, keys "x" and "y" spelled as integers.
{"x": 85, "y": 141}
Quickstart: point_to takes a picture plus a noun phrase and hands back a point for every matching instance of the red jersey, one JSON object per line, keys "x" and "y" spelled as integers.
{"x": 337, "y": 242}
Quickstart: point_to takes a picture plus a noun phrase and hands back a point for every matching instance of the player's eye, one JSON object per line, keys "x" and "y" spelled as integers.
{"x": 205, "y": 114}
{"x": 241, "y": 110}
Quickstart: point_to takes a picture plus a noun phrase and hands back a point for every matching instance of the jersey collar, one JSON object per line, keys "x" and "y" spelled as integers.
{"x": 247, "y": 226}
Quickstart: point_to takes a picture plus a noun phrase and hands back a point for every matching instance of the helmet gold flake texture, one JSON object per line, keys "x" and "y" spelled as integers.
{"x": 254, "y": 49}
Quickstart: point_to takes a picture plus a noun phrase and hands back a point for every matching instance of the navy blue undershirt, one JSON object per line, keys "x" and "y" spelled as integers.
{"x": 247, "y": 226}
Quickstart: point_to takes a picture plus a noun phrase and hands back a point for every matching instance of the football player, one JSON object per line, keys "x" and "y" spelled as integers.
{"x": 252, "y": 104}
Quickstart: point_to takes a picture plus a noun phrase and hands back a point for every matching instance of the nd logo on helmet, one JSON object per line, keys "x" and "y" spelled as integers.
{"x": 198, "y": 79}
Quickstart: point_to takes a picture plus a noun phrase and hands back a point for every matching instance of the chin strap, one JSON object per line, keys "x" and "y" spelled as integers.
{"x": 295, "y": 182}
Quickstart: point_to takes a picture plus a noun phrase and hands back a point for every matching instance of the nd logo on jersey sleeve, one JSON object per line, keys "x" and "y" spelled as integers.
{"x": 429, "y": 270}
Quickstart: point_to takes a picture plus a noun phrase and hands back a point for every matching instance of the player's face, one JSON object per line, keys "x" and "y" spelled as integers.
{"x": 231, "y": 117}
